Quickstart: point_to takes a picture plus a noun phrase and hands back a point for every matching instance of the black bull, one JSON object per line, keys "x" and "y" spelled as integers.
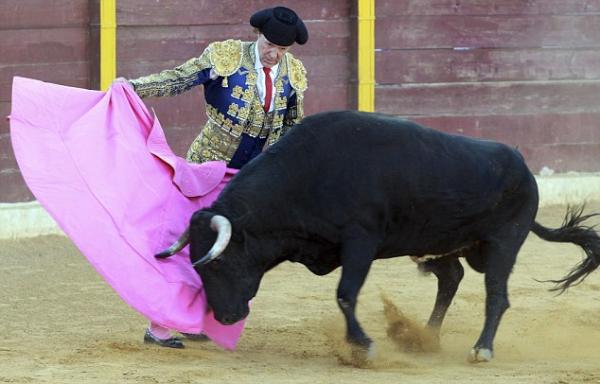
{"x": 345, "y": 188}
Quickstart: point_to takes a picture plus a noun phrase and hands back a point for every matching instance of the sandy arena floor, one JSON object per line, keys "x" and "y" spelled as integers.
{"x": 60, "y": 323}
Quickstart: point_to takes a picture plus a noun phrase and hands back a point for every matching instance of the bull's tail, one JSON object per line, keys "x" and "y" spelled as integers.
{"x": 573, "y": 231}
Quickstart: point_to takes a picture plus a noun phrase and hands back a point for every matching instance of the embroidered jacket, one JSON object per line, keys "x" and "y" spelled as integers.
{"x": 237, "y": 127}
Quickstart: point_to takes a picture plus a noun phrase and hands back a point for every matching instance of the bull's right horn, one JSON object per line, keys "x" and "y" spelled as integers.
{"x": 222, "y": 226}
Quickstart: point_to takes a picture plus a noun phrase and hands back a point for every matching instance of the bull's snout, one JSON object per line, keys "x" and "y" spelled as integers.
{"x": 232, "y": 318}
{"x": 228, "y": 320}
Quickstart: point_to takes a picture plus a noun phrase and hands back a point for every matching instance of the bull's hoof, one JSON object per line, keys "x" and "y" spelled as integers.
{"x": 363, "y": 356}
{"x": 480, "y": 355}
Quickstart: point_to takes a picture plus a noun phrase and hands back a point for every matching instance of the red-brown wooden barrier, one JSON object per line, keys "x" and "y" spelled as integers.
{"x": 523, "y": 72}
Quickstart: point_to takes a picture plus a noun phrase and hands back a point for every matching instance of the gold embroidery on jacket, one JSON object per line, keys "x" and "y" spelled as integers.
{"x": 278, "y": 120}
{"x": 225, "y": 57}
{"x": 244, "y": 112}
{"x": 237, "y": 92}
{"x": 279, "y": 86}
{"x": 259, "y": 119}
{"x": 251, "y": 78}
{"x": 233, "y": 109}
{"x": 248, "y": 94}
{"x": 280, "y": 102}
{"x": 297, "y": 74}
{"x": 170, "y": 82}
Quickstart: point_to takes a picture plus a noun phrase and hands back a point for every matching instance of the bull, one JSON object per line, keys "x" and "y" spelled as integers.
{"x": 344, "y": 188}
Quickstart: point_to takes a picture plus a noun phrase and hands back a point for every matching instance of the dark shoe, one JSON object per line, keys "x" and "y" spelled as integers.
{"x": 172, "y": 342}
{"x": 195, "y": 336}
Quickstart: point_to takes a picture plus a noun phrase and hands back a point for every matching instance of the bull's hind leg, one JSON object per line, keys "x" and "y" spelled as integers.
{"x": 500, "y": 255}
{"x": 449, "y": 273}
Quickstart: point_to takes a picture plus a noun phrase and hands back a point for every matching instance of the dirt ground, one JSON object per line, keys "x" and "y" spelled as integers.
{"x": 60, "y": 323}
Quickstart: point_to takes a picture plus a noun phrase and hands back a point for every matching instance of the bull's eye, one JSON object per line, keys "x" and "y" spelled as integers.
{"x": 215, "y": 264}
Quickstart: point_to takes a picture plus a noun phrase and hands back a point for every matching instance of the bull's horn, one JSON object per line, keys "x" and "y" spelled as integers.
{"x": 177, "y": 246}
{"x": 222, "y": 226}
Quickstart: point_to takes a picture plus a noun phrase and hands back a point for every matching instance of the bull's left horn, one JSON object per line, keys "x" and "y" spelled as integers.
{"x": 222, "y": 226}
{"x": 177, "y": 246}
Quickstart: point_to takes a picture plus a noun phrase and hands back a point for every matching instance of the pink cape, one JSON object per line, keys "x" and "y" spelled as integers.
{"x": 100, "y": 164}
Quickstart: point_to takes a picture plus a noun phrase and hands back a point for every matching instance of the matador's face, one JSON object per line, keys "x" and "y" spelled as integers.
{"x": 270, "y": 54}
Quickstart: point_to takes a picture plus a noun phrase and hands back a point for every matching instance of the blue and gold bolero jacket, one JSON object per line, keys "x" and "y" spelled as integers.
{"x": 237, "y": 128}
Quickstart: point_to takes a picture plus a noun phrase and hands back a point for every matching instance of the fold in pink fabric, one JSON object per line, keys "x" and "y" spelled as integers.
{"x": 100, "y": 164}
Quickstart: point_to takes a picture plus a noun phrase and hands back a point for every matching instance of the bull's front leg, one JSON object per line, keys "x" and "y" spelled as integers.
{"x": 356, "y": 257}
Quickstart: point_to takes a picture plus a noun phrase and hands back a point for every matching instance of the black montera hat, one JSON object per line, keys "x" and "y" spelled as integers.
{"x": 280, "y": 25}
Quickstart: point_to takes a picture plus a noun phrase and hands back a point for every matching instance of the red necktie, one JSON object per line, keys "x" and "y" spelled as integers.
{"x": 268, "y": 89}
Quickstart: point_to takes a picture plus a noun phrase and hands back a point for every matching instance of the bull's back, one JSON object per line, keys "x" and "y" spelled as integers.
{"x": 356, "y": 147}
{"x": 390, "y": 172}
